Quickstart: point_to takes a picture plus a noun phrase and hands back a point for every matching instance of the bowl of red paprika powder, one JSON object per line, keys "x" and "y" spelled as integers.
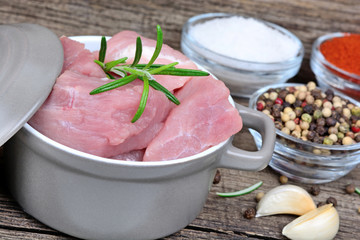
{"x": 335, "y": 62}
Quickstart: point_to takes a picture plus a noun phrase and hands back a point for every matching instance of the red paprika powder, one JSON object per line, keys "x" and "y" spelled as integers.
{"x": 343, "y": 52}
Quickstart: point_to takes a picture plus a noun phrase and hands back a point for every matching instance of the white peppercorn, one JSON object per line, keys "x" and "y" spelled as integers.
{"x": 350, "y": 106}
{"x": 304, "y": 138}
{"x": 305, "y": 132}
{"x": 267, "y": 112}
{"x": 337, "y": 104}
{"x": 304, "y": 125}
{"x": 346, "y": 112}
{"x": 296, "y": 134}
{"x": 316, "y": 151}
{"x": 347, "y": 140}
{"x": 285, "y": 130}
{"x": 336, "y": 99}
{"x": 290, "y": 125}
{"x": 302, "y": 95}
{"x": 310, "y": 99}
{"x": 290, "y": 98}
{"x": 292, "y": 115}
{"x": 287, "y": 110}
{"x": 273, "y": 96}
{"x": 318, "y": 102}
{"x": 311, "y": 85}
{"x": 326, "y": 112}
{"x": 327, "y": 105}
{"x": 285, "y": 117}
{"x": 333, "y": 137}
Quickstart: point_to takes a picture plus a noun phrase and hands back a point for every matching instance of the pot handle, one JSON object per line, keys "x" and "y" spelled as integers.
{"x": 236, "y": 158}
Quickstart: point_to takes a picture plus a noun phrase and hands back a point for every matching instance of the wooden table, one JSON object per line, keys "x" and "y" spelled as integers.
{"x": 221, "y": 218}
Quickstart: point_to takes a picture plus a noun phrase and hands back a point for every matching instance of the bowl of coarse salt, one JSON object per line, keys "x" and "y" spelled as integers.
{"x": 245, "y": 53}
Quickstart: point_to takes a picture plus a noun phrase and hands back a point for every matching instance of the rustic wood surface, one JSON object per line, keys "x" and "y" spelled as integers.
{"x": 221, "y": 218}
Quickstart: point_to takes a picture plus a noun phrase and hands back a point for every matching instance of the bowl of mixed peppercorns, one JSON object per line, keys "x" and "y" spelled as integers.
{"x": 317, "y": 131}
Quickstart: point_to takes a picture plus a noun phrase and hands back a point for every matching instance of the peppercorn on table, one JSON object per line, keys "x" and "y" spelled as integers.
{"x": 221, "y": 218}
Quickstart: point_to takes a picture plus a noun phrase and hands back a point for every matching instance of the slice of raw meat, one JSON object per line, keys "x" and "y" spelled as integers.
{"x": 123, "y": 44}
{"x": 203, "y": 119}
{"x": 100, "y": 124}
{"x": 79, "y": 59}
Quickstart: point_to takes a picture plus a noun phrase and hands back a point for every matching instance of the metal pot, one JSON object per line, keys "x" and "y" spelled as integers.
{"x": 97, "y": 198}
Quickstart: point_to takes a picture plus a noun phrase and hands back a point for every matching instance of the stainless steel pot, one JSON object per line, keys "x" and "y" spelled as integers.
{"x": 97, "y": 198}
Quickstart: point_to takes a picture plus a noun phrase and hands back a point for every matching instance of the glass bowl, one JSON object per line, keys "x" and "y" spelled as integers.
{"x": 330, "y": 76}
{"x": 306, "y": 161}
{"x": 242, "y": 77}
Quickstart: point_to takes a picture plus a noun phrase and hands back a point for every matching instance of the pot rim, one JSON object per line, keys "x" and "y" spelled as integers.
{"x": 118, "y": 162}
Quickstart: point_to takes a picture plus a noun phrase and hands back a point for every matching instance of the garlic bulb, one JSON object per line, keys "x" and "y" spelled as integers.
{"x": 285, "y": 199}
{"x": 319, "y": 224}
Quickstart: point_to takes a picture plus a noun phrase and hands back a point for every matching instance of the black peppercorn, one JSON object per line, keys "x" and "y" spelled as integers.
{"x": 269, "y": 103}
{"x": 315, "y": 190}
{"x": 217, "y": 177}
{"x": 331, "y": 200}
{"x": 278, "y": 125}
{"x": 249, "y": 213}
{"x": 330, "y": 121}
{"x": 338, "y": 110}
{"x": 320, "y": 122}
{"x": 277, "y": 107}
{"x": 321, "y": 130}
{"x": 308, "y": 109}
{"x": 357, "y": 138}
{"x": 297, "y": 103}
{"x": 312, "y": 126}
{"x": 276, "y": 111}
{"x": 354, "y": 118}
{"x": 283, "y": 93}
{"x": 317, "y": 139}
{"x": 329, "y": 94}
{"x": 316, "y": 93}
{"x": 335, "y": 115}
{"x": 311, "y": 135}
{"x": 286, "y": 104}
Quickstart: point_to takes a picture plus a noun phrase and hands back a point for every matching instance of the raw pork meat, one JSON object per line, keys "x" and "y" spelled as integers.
{"x": 99, "y": 124}
{"x": 203, "y": 119}
{"x": 79, "y": 59}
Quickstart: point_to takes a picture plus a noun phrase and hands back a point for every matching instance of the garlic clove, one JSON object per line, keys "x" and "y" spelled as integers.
{"x": 285, "y": 199}
{"x": 319, "y": 224}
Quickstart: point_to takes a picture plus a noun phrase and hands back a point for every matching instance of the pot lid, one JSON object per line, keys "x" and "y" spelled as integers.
{"x": 31, "y": 59}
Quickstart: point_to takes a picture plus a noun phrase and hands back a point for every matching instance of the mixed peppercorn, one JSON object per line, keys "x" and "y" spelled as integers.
{"x": 307, "y": 113}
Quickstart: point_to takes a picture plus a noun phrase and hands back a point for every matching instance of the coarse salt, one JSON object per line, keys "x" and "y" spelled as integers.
{"x": 245, "y": 39}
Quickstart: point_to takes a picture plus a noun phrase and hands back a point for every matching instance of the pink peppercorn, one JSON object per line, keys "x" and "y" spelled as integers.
{"x": 355, "y": 129}
{"x": 279, "y": 101}
{"x": 303, "y": 104}
{"x": 259, "y": 106}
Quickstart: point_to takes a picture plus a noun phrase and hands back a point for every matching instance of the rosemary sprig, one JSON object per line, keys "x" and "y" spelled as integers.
{"x": 102, "y": 51}
{"x": 143, "y": 100}
{"x": 144, "y": 72}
